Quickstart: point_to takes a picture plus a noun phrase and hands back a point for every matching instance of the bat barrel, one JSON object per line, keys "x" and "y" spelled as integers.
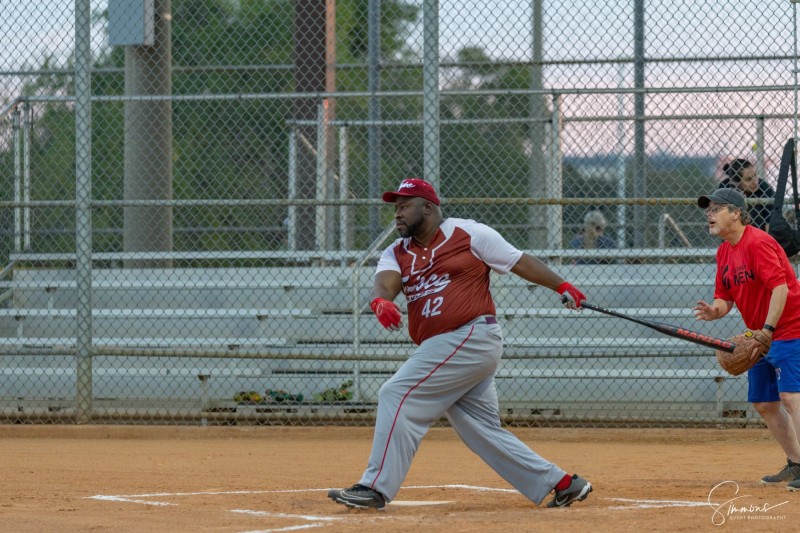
{"x": 673, "y": 331}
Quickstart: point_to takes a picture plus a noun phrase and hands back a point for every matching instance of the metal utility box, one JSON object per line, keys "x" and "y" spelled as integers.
{"x": 131, "y": 22}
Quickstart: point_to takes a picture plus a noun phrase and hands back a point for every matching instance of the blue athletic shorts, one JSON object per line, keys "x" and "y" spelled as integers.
{"x": 778, "y": 372}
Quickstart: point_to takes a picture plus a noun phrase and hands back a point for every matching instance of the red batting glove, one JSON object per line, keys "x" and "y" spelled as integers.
{"x": 387, "y": 312}
{"x": 571, "y": 296}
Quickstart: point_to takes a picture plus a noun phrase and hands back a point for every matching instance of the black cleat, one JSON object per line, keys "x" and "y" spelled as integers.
{"x": 358, "y": 497}
{"x": 577, "y": 491}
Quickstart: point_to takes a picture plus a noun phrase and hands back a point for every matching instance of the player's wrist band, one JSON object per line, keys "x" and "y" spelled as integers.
{"x": 769, "y": 327}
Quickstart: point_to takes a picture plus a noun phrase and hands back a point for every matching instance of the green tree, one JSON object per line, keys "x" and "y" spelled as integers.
{"x": 223, "y": 149}
{"x": 489, "y": 158}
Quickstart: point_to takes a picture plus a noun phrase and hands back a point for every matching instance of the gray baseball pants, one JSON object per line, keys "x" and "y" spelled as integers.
{"x": 452, "y": 374}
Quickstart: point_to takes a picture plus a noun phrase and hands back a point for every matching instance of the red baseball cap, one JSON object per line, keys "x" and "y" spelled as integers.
{"x": 413, "y": 187}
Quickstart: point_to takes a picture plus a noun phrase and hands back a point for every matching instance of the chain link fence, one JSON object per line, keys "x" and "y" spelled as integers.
{"x": 190, "y": 197}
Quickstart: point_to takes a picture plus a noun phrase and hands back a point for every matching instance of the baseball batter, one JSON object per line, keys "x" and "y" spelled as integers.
{"x": 442, "y": 266}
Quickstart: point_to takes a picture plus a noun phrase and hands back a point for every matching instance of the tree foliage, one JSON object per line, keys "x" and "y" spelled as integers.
{"x": 222, "y": 149}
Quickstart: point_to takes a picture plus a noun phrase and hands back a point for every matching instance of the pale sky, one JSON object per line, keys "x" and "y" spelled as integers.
{"x": 574, "y": 29}
{"x": 32, "y": 30}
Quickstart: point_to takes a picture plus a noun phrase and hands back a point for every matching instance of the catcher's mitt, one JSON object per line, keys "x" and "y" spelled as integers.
{"x": 740, "y": 360}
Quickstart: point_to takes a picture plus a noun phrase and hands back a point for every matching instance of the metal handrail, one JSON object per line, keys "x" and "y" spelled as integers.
{"x": 405, "y": 94}
{"x": 667, "y": 220}
{"x": 357, "y": 306}
{"x": 7, "y": 295}
{"x": 8, "y": 268}
{"x": 357, "y": 255}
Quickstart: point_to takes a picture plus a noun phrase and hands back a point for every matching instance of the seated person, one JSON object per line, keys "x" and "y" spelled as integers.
{"x": 593, "y": 236}
{"x": 741, "y": 174}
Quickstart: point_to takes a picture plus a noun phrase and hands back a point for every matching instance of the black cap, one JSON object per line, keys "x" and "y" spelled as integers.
{"x": 723, "y": 196}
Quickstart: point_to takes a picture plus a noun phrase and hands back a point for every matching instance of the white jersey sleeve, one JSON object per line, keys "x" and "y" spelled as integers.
{"x": 388, "y": 261}
{"x": 489, "y": 246}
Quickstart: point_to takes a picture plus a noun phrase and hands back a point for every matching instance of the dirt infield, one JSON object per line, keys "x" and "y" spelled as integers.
{"x": 104, "y": 478}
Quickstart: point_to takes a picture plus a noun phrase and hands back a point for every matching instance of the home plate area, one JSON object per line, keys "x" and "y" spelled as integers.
{"x": 280, "y": 519}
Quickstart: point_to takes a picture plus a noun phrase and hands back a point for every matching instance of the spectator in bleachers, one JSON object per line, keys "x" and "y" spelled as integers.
{"x": 593, "y": 236}
{"x": 740, "y": 174}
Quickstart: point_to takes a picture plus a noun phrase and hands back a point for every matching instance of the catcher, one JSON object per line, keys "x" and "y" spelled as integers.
{"x": 754, "y": 273}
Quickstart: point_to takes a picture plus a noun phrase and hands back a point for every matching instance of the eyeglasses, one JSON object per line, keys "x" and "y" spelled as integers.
{"x": 710, "y": 210}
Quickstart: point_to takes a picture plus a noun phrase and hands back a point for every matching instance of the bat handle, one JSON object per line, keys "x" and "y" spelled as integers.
{"x": 587, "y": 305}
{"x": 565, "y": 300}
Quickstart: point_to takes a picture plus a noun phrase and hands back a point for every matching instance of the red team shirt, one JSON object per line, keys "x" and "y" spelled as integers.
{"x": 749, "y": 270}
{"x": 446, "y": 284}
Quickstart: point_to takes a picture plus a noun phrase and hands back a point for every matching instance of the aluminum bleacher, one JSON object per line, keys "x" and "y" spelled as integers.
{"x": 307, "y": 328}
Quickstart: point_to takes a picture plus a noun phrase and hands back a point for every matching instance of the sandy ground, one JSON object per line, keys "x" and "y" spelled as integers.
{"x": 237, "y": 479}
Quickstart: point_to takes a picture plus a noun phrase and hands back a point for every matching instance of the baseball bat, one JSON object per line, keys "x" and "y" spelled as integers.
{"x": 673, "y": 331}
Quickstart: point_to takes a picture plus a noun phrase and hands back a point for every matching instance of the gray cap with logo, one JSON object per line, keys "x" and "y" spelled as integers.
{"x": 723, "y": 196}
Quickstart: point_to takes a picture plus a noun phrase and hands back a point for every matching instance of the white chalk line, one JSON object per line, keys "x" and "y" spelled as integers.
{"x": 315, "y": 521}
{"x": 285, "y": 515}
{"x": 628, "y": 503}
{"x": 631, "y": 504}
{"x": 419, "y": 503}
{"x": 288, "y": 528}
{"x": 137, "y": 498}
{"x": 128, "y": 499}
{"x": 653, "y": 504}
{"x": 207, "y": 493}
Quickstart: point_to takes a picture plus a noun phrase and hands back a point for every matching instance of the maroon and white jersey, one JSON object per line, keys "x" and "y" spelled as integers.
{"x": 446, "y": 284}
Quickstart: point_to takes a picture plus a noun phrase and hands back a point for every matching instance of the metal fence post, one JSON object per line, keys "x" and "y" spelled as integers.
{"x": 537, "y": 129}
{"x": 430, "y": 92}
{"x": 345, "y": 218}
{"x": 83, "y": 210}
{"x": 26, "y": 174}
{"x": 374, "y": 112}
{"x": 639, "y": 136}
{"x": 15, "y": 128}
{"x": 554, "y": 185}
{"x": 291, "y": 217}
{"x": 620, "y": 165}
{"x": 322, "y": 175}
